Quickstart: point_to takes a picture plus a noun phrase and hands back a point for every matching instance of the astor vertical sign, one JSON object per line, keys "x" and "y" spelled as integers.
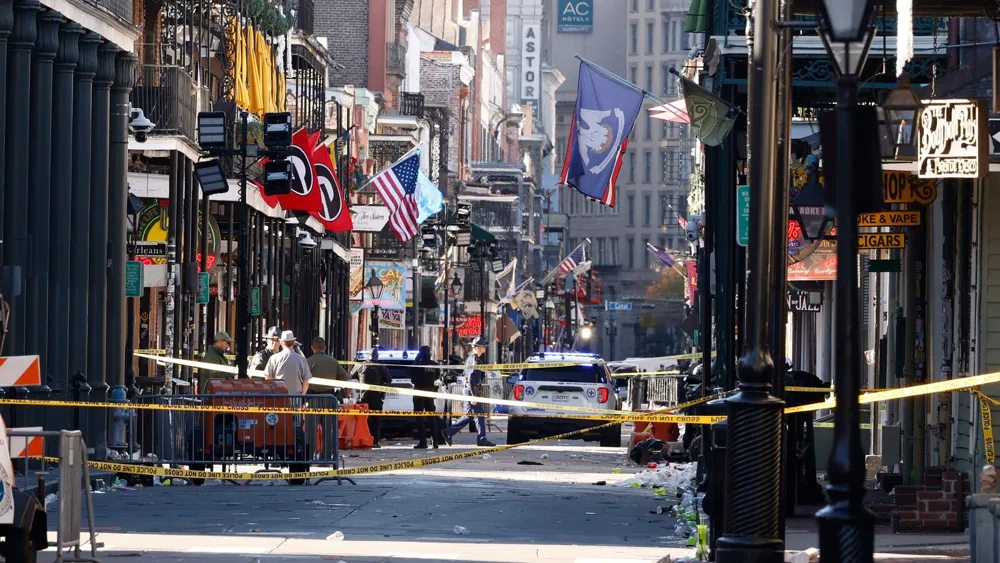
{"x": 952, "y": 139}
{"x": 531, "y": 65}
{"x": 576, "y": 16}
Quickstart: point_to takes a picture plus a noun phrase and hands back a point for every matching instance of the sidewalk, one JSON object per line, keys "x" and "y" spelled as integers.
{"x": 890, "y": 546}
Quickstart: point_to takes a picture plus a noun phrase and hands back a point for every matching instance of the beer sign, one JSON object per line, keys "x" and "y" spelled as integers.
{"x": 952, "y": 137}
{"x": 889, "y": 219}
{"x": 869, "y": 241}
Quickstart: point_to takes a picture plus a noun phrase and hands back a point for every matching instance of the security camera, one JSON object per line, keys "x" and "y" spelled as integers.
{"x": 691, "y": 231}
{"x": 305, "y": 239}
{"x": 140, "y": 126}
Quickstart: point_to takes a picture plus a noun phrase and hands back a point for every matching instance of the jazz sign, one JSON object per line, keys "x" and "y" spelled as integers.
{"x": 952, "y": 139}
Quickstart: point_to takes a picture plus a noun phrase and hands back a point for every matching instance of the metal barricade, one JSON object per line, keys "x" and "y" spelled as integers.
{"x": 73, "y": 469}
{"x": 653, "y": 391}
{"x": 203, "y": 440}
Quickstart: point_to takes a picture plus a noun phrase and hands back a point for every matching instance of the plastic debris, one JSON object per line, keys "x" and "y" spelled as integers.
{"x": 117, "y": 483}
{"x": 461, "y": 530}
{"x": 544, "y": 456}
{"x": 336, "y": 536}
{"x": 616, "y": 470}
{"x": 669, "y": 477}
{"x": 177, "y": 481}
{"x": 486, "y": 456}
{"x": 166, "y": 482}
{"x": 50, "y": 498}
{"x": 157, "y": 482}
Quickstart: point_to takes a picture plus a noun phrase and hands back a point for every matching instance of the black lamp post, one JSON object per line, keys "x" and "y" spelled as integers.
{"x": 374, "y": 289}
{"x": 456, "y": 290}
{"x": 846, "y": 527}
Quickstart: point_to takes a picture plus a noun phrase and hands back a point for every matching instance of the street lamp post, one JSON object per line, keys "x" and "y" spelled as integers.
{"x": 456, "y": 290}
{"x": 846, "y": 527}
{"x": 374, "y": 288}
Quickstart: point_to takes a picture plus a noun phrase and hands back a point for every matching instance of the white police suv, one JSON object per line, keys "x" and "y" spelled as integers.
{"x": 586, "y": 384}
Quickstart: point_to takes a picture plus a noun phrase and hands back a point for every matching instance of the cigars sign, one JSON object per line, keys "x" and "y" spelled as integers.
{"x": 953, "y": 139}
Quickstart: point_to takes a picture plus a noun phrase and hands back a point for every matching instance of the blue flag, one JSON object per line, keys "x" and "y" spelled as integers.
{"x": 429, "y": 198}
{"x": 606, "y": 109}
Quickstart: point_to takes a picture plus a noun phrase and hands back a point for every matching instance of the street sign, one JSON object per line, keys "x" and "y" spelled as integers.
{"x": 202, "y": 298}
{"x": 255, "y": 301}
{"x": 881, "y": 266}
{"x": 133, "y": 279}
{"x": 743, "y": 215}
{"x": 889, "y": 219}
{"x": 881, "y": 240}
{"x": 618, "y": 306}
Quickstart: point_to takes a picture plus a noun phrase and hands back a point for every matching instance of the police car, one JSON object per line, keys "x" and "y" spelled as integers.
{"x": 398, "y": 362}
{"x": 586, "y": 384}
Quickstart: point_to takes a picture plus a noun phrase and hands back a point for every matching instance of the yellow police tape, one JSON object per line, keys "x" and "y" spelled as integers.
{"x": 986, "y": 414}
{"x": 905, "y": 392}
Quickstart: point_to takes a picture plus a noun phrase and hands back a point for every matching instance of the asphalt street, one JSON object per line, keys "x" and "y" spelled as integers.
{"x": 551, "y": 510}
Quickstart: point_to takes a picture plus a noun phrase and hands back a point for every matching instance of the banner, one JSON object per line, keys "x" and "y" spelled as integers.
{"x": 393, "y": 278}
{"x": 357, "y": 273}
{"x": 391, "y": 319}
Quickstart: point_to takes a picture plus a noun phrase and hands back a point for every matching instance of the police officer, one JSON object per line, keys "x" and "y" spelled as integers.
{"x": 375, "y": 375}
{"x": 474, "y": 387}
{"x": 271, "y": 347}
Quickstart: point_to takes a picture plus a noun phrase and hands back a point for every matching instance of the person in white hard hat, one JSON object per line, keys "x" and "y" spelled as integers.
{"x": 289, "y": 367}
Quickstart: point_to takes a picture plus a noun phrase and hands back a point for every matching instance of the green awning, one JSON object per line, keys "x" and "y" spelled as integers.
{"x": 697, "y": 17}
{"x": 481, "y": 234}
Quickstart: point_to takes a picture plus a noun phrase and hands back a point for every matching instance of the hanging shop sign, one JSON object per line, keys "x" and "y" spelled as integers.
{"x": 953, "y": 139}
{"x": 472, "y": 327}
{"x": 393, "y": 278}
{"x": 151, "y": 227}
{"x": 385, "y": 246}
{"x": 889, "y": 219}
{"x": 390, "y": 318}
{"x": 144, "y": 249}
{"x": 576, "y": 16}
{"x": 531, "y": 64}
{"x": 881, "y": 240}
{"x": 369, "y": 218}
{"x": 804, "y": 301}
{"x": 899, "y": 186}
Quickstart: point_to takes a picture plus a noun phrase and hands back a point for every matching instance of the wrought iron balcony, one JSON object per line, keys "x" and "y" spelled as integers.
{"x": 395, "y": 59}
{"x": 412, "y": 104}
{"x": 169, "y": 98}
{"x": 733, "y": 12}
{"x": 495, "y": 215}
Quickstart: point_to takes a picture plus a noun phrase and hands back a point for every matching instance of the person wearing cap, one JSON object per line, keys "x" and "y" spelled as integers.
{"x": 215, "y": 354}
{"x": 326, "y": 366}
{"x": 289, "y": 367}
{"x": 474, "y": 387}
{"x": 271, "y": 347}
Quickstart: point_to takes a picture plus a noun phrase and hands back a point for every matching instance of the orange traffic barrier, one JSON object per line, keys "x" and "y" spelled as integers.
{"x": 352, "y": 431}
{"x": 665, "y": 431}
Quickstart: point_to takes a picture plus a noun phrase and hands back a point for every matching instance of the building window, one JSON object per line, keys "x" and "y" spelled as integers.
{"x": 674, "y": 32}
{"x": 632, "y": 72}
{"x": 649, "y": 127}
{"x": 671, "y": 84}
{"x": 649, "y": 37}
{"x": 600, "y": 251}
{"x": 672, "y": 130}
{"x": 663, "y": 242}
{"x": 649, "y": 78}
{"x": 683, "y": 130}
{"x": 631, "y": 167}
{"x": 651, "y": 5}
{"x": 682, "y": 166}
{"x": 630, "y": 249}
{"x": 634, "y": 29}
{"x": 663, "y": 133}
{"x": 572, "y": 203}
{"x": 647, "y": 166}
{"x": 635, "y": 5}
{"x": 665, "y": 30}
{"x": 646, "y": 205}
{"x": 645, "y": 255}
{"x": 614, "y": 250}
{"x": 663, "y": 166}
{"x": 664, "y": 208}
{"x": 685, "y": 41}
{"x": 631, "y": 210}
{"x": 572, "y": 244}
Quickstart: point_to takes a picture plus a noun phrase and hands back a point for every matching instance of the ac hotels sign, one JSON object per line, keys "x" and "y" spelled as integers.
{"x": 952, "y": 139}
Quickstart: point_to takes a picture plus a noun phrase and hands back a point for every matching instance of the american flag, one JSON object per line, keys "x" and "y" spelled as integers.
{"x": 397, "y": 185}
{"x": 568, "y": 264}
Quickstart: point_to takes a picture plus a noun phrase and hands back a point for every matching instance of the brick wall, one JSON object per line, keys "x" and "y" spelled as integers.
{"x": 936, "y": 506}
{"x": 347, "y": 41}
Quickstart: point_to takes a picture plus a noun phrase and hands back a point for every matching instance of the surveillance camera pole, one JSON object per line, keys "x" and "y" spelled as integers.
{"x": 243, "y": 262}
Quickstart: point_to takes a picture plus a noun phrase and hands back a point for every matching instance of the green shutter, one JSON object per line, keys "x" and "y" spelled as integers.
{"x": 697, "y": 17}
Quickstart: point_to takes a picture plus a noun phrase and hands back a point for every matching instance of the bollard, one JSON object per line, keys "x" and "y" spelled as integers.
{"x": 981, "y": 526}
{"x": 994, "y": 513}
{"x": 80, "y": 387}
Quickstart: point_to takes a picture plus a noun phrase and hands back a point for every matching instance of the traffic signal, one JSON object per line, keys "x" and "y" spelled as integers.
{"x": 278, "y": 177}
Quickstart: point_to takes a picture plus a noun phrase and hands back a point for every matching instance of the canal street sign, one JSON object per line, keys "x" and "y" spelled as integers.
{"x": 255, "y": 301}
{"x": 618, "y": 306}
{"x": 889, "y": 219}
{"x": 953, "y": 139}
{"x": 899, "y": 186}
{"x": 133, "y": 279}
{"x": 881, "y": 240}
{"x": 743, "y": 215}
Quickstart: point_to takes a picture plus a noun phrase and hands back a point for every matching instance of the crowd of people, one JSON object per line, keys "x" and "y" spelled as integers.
{"x": 281, "y": 358}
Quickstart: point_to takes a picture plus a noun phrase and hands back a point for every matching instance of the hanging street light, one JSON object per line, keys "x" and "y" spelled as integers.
{"x": 807, "y": 208}
{"x": 901, "y": 110}
{"x": 374, "y": 289}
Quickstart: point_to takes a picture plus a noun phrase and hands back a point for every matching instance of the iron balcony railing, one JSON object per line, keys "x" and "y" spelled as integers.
{"x": 395, "y": 58}
{"x": 413, "y": 104}
{"x": 169, "y": 98}
{"x": 305, "y": 17}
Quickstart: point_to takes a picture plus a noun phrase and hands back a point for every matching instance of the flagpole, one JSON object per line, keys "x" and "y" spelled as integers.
{"x": 408, "y": 154}
{"x": 608, "y": 74}
{"x": 729, "y": 105}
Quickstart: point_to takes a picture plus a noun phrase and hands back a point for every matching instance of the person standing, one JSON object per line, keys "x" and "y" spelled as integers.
{"x": 474, "y": 387}
{"x": 215, "y": 354}
{"x": 425, "y": 379}
{"x": 271, "y": 347}
{"x": 326, "y": 366}
{"x": 289, "y": 367}
{"x": 375, "y": 374}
